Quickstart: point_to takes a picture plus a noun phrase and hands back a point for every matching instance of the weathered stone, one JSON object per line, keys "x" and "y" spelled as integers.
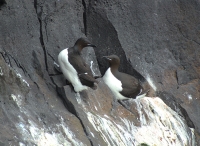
{"x": 32, "y": 117}
{"x": 183, "y": 77}
{"x": 147, "y": 119}
{"x": 160, "y": 39}
{"x": 157, "y": 41}
{"x": 89, "y": 102}
{"x": 61, "y": 24}
{"x": 174, "y": 104}
{"x": 19, "y": 37}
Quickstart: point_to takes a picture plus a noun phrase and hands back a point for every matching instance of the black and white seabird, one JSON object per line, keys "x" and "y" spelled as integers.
{"x": 123, "y": 86}
{"x": 73, "y": 66}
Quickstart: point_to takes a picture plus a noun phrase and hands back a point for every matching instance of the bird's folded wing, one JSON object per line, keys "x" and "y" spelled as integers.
{"x": 87, "y": 77}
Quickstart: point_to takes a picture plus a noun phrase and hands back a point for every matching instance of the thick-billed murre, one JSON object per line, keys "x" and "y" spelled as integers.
{"x": 73, "y": 66}
{"x": 123, "y": 86}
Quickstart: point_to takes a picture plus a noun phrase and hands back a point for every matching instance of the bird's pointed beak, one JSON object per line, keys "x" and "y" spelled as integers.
{"x": 91, "y": 45}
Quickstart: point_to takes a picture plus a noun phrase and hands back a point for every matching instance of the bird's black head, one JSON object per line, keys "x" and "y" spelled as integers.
{"x": 81, "y": 43}
{"x": 113, "y": 60}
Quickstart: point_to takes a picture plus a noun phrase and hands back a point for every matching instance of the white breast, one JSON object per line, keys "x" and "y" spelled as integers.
{"x": 69, "y": 72}
{"x": 114, "y": 84}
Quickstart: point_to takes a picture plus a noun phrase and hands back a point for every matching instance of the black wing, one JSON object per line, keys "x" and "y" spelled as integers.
{"x": 83, "y": 70}
{"x": 130, "y": 85}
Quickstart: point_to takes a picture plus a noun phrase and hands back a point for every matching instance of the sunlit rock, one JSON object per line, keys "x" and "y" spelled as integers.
{"x": 148, "y": 120}
{"x": 29, "y": 118}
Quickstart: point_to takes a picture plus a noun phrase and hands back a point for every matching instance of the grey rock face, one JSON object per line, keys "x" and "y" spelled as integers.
{"x": 34, "y": 115}
{"x": 109, "y": 123}
{"x": 160, "y": 39}
{"x": 157, "y": 42}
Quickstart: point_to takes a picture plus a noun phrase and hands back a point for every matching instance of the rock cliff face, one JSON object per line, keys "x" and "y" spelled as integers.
{"x": 157, "y": 41}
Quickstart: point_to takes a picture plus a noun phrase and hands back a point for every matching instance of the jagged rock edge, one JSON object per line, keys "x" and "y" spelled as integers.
{"x": 7, "y": 58}
{"x": 72, "y": 110}
{"x": 68, "y": 105}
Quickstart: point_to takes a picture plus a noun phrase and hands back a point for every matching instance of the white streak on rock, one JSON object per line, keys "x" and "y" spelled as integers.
{"x": 17, "y": 99}
{"x": 110, "y": 131}
{"x": 141, "y": 114}
{"x": 27, "y": 84}
{"x": 70, "y": 135}
{"x": 18, "y": 75}
{"x": 160, "y": 126}
{"x": 78, "y": 98}
{"x": 90, "y": 132}
{"x": 1, "y": 72}
{"x": 150, "y": 81}
{"x": 24, "y": 81}
{"x": 33, "y": 133}
{"x": 80, "y": 101}
{"x": 56, "y": 64}
{"x": 21, "y": 144}
{"x": 91, "y": 64}
{"x": 190, "y": 97}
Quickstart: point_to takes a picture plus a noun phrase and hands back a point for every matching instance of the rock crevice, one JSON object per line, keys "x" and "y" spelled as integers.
{"x": 39, "y": 16}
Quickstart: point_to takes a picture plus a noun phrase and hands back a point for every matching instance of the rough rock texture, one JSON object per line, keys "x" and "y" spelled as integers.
{"x": 31, "y": 115}
{"x": 148, "y": 120}
{"x": 160, "y": 39}
{"x": 157, "y": 42}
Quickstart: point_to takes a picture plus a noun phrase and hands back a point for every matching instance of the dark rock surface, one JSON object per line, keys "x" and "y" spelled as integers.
{"x": 33, "y": 115}
{"x": 103, "y": 119}
{"x": 2, "y": 2}
{"x": 157, "y": 41}
{"x": 159, "y": 38}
